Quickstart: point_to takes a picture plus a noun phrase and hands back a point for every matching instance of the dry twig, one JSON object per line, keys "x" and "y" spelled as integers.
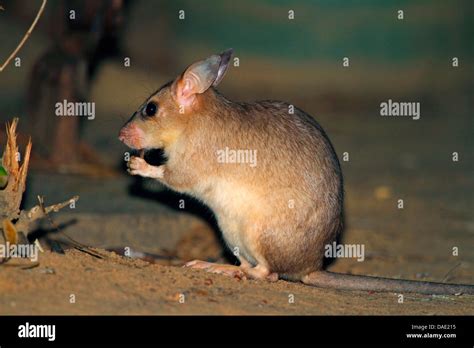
{"x": 25, "y": 37}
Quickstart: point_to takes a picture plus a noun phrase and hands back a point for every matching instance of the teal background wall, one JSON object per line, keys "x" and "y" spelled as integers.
{"x": 331, "y": 29}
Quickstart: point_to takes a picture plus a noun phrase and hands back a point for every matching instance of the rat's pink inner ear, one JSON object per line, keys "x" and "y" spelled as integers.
{"x": 197, "y": 78}
{"x": 188, "y": 87}
{"x": 184, "y": 90}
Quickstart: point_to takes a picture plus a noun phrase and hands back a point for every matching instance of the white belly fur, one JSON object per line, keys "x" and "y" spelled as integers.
{"x": 230, "y": 203}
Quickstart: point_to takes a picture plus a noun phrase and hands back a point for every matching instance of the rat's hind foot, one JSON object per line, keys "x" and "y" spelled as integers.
{"x": 260, "y": 272}
{"x": 228, "y": 270}
{"x": 244, "y": 271}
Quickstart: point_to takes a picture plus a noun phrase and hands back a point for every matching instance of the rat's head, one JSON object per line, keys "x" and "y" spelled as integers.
{"x": 163, "y": 116}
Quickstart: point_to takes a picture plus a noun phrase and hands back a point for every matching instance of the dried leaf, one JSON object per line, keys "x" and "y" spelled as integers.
{"x": 9, "y": 156}
{"x": 10, "y": 161}
{"x": 9, "y": 231}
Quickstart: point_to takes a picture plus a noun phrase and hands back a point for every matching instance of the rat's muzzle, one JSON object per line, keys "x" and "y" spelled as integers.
{"x": 132, "y": 136}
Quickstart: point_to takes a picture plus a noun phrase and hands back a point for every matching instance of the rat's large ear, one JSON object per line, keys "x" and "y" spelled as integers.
{"x": 201, "y": 75}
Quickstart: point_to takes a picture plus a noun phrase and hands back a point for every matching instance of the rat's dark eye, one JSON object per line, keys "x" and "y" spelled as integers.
{"x": 150, "y": 109}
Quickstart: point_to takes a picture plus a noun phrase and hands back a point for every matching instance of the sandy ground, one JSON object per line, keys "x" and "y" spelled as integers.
{"x": 122, "y": 286}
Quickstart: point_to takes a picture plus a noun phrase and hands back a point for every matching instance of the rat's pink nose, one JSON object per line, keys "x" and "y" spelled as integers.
{"x": 122, "y": 135}
{"x": 131, "y": 136}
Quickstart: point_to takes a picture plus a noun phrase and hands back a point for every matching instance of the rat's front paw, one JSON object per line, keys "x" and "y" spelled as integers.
{"x": 138, "y": 166}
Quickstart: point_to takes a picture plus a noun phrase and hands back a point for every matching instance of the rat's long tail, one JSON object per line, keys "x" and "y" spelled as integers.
{"x": 326, "y": 279}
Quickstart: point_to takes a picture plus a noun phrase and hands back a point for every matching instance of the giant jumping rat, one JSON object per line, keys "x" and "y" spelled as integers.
{"x": 266, "y": 169}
